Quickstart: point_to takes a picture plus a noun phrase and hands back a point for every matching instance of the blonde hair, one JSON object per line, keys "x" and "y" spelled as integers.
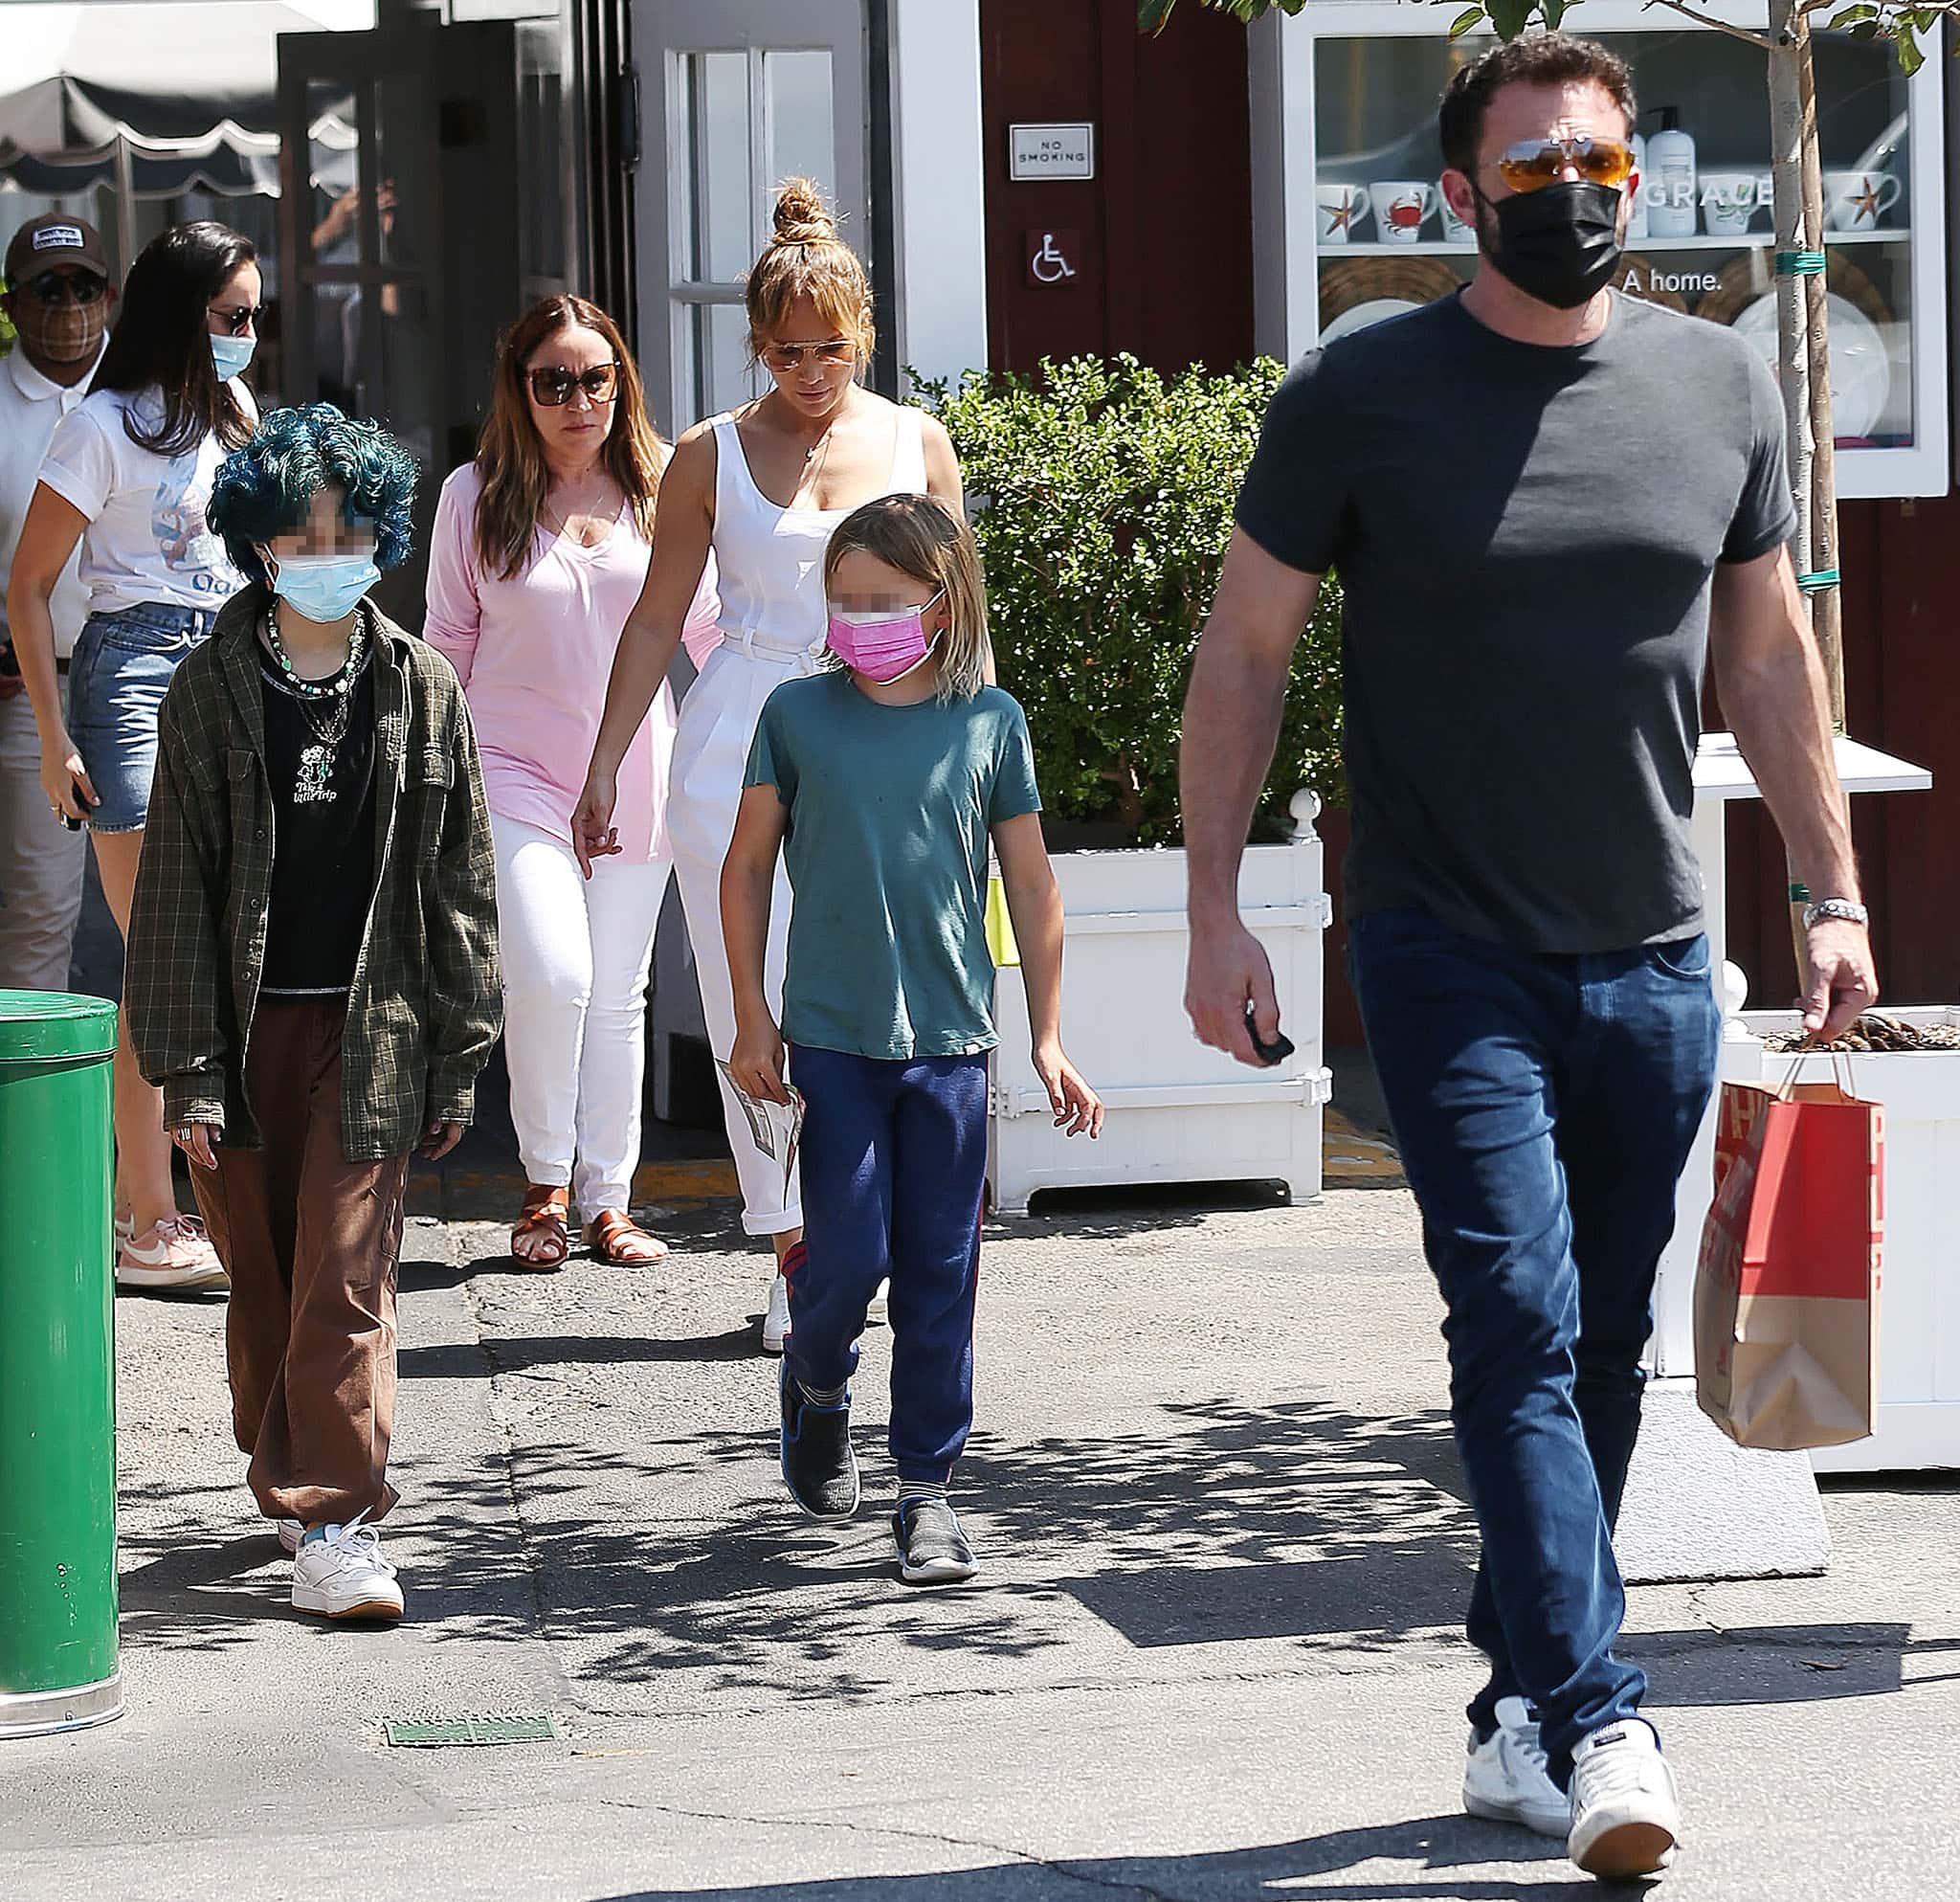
{"x": 806, "y": 258}
{"x": 920, "y": 537}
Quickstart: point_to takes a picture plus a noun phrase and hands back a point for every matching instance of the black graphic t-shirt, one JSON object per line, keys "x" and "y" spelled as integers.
{"x": 323, "y": 863}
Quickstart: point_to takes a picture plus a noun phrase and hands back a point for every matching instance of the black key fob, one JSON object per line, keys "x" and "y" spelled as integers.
{"x": 1269, "y": 1053}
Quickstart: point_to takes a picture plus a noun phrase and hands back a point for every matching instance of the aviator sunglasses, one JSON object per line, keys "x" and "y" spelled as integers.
{"x": 1533, "y": 163}
{"x": 785, "y": 358}
{"x": 552, "y": 386}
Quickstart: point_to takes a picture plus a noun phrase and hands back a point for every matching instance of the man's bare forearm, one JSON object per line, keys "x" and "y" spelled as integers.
{"x": 1231, "y": 726}
{"x": 1778, "y": 712}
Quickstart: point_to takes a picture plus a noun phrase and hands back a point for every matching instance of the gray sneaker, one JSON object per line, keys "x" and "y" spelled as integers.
{"x": 933, "y": 1549}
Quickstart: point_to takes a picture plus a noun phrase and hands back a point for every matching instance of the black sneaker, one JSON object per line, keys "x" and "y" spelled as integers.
{"x": 819, "y": 1465}
{"x": 933, "y": 1549}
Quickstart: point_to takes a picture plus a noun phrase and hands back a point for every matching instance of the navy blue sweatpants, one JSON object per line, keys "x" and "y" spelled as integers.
{"x": 893, "y": 1164}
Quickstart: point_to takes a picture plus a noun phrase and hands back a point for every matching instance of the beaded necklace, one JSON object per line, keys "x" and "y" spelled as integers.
{"x": 314, "y": 781}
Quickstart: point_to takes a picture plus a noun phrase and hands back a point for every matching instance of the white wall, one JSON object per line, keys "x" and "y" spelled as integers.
{"x": 938, "y": 164}
{"x": 1285, "y": 300}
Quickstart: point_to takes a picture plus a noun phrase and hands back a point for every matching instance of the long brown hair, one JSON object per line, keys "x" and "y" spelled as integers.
{"x": 511, "y": 459}
{"x": 806, "y": 258}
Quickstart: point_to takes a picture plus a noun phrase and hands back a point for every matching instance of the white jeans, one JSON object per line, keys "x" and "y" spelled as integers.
{"x": 42, "y": 863}
{"x": 718, "y": 721}
{"x": 575, "y": 957}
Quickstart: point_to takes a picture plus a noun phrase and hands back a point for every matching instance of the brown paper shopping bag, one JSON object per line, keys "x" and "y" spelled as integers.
{"x": 1787, "y": 1286}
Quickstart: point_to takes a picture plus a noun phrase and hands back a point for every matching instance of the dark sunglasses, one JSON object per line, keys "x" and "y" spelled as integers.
{"x": 1533, "y": 163}
{"x": 58, "y": 288}
{"x": 238, "y": 322}
{"x": 553, "y": 386}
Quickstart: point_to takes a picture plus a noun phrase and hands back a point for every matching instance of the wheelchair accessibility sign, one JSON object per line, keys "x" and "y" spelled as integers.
{"x": 1053, "y": 256}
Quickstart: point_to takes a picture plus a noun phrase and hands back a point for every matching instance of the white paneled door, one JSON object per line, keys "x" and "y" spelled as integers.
{"x": 735, "y": 97}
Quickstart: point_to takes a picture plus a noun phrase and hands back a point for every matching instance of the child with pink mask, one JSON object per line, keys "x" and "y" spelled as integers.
{"x": 882, "y": 781}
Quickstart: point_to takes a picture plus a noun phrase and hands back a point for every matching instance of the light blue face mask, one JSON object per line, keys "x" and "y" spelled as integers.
{"x": 324, "y": 588}
{"x": 231, "y": 355}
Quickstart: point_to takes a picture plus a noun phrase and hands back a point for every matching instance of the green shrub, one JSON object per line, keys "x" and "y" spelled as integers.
{"x": 1102, "y": 495}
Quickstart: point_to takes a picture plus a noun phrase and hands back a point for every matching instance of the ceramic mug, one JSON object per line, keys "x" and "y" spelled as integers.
{"x": 1337, "y": 209}
{"x": 1730, "y": 202}
{"x": 1856, "y": 200}
{"x": 1454, "y": 230}
{"x": 1401, "y": 205}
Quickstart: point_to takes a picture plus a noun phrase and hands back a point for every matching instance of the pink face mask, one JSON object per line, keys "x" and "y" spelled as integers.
{"x": 881, "y": 646}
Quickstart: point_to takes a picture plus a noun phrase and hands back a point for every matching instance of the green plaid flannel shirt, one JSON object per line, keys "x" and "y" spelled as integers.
{"x": 426, "y": 1004}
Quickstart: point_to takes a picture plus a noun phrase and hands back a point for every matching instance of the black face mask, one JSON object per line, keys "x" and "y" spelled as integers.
{"x": 1559, "y": 244}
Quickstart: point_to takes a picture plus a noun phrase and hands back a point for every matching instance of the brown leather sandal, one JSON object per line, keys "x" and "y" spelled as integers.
{"x": 542, "y": 1215}
{"x": 617, "y": 1237}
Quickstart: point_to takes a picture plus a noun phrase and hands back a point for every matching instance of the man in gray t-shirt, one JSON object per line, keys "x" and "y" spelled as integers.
{"x": 1550, "y": 507}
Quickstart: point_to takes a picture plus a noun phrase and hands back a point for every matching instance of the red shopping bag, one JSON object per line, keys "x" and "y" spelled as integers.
{"x": 1787, "y": 1284}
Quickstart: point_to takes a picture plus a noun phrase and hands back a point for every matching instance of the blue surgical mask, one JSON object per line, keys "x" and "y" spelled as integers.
{"x": 231, "y": 355}
{"x": 323, "y": 588}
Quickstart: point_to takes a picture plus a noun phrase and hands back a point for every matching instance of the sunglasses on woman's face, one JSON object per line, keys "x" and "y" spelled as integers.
{"x": 59, "y": 287}
{"x": 239, "y": 321}
{"x": 1533, "y": 163}
{"x": 785, "y": 358}
{"x": 552, "y": 386}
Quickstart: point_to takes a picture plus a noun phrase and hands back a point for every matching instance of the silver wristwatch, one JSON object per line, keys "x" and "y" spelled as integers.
{"x": 1847, "y": 908}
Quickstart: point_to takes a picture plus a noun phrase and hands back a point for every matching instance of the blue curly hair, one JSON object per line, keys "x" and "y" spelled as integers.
{"x": 266, "y": 488}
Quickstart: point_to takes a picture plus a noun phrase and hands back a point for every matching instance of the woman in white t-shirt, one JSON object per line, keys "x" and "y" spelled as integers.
{"x": 127, "y": 475}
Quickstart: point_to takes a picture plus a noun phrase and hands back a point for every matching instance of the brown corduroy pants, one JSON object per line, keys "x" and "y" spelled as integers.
{"x": 311, "y": 1242}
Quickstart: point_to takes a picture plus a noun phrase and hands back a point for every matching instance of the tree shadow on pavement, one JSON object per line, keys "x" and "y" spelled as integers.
{"x": 1427, "y": 1850}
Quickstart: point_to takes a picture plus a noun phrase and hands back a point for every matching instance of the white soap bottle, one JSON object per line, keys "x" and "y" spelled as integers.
{"x": 1637, "y": 220}
{"x": 1671, "y": 208}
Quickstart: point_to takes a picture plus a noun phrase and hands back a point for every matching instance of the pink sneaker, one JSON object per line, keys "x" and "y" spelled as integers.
{"x": 173, "y": 1253}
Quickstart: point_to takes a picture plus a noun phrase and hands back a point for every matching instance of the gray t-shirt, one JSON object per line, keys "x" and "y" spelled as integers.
{"x": 1526, "y": 537}
{"x": 889, "y": 810}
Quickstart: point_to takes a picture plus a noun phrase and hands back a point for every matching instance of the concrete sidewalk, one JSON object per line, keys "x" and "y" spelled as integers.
{"x": 1214, "y": 1653}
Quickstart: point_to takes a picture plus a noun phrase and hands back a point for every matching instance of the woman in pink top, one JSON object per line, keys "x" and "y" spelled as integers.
{"x": 539, "y": 549}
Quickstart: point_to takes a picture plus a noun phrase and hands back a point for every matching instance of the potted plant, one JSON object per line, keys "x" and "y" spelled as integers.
{"x": 1103, "y": 495}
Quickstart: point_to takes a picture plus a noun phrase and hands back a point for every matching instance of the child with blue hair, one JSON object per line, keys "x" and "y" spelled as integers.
{"x": 312, "y": 970}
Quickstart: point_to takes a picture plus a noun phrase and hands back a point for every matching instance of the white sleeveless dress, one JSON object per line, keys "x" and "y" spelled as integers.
{"x": 770, "y": 563}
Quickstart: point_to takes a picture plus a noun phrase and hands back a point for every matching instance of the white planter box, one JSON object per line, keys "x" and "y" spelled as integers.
{"x": 1178, "y": 1112}
{"x": 1919, "y": 1304}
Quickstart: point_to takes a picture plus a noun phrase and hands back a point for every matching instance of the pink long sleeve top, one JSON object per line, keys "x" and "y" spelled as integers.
{"x": 534, "y": 654}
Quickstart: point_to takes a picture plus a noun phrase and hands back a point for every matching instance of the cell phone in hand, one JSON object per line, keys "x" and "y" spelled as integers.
{"x": 1269, "y": 1053}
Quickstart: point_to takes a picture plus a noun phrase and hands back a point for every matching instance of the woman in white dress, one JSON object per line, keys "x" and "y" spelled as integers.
{"x": 761, "y": 488}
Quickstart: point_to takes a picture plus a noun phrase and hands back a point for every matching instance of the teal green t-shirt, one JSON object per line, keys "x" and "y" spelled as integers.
{"x": 887, "y": 816}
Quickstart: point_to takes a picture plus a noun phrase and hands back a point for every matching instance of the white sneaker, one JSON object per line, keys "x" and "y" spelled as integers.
{"x": 1504, "y": 1777}
{"x": 342, "y": 1575}
{"x": 174, "y": 1253}
{"x": 291, "y": 1531}
{"x": 1626, "y": 1817}
{"x": 775, "y": 1324}
{"x": 878, "y": 1314}
{"x": 126, "y": 1228}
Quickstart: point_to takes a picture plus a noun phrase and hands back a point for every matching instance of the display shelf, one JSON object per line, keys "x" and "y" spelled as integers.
{"x": 1343, "y": 96}
{"x": 1464, "y": 247}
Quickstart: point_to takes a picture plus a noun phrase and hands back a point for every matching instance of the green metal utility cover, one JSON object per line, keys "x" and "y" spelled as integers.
{"x": 424, "y": 1733}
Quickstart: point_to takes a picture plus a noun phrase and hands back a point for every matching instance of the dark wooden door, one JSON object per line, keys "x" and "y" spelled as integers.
{"x": 1159, "y": 242}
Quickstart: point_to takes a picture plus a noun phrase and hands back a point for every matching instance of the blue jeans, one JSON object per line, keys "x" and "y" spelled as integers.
{"x": 122, "y": 667}
{"x": 1543, "y": 1106}
{"x": 894, "y": 1162}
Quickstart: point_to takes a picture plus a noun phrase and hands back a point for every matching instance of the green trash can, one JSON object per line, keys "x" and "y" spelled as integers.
{"x": 59, "y": 1667}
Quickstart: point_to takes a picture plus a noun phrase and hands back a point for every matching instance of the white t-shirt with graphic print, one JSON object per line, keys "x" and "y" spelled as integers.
{"x": 146, "y": 538}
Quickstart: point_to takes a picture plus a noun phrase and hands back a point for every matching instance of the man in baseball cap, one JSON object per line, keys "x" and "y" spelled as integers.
{"x": 58, "y": 295}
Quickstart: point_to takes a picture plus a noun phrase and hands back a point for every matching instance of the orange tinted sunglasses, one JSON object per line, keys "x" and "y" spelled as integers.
{"x": 1533, "y": 163}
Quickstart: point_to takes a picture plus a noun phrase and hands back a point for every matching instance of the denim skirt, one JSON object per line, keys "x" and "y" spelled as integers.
{"x": 124, "y": 661}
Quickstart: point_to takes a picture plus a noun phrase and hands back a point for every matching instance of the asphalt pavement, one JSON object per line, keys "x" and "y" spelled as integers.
{"x": 1213, "y": 1651}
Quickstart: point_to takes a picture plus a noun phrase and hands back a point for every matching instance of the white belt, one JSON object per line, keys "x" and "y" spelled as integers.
{"x": 806, "y": 659}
